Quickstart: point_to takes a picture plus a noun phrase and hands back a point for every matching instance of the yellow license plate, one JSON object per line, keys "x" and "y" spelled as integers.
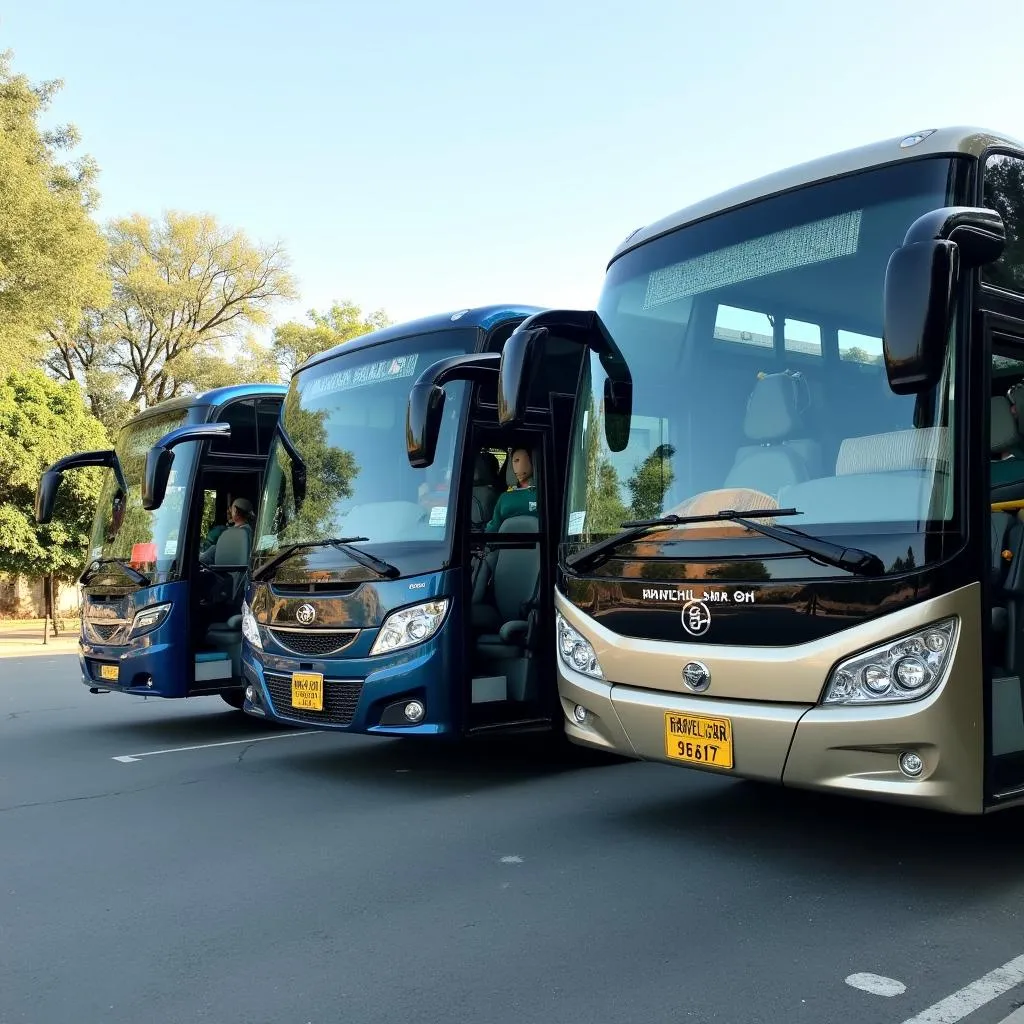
{"x": 108, "y": 672}
{"x": 308, "y": 691}
{"x": 698, "y": 739}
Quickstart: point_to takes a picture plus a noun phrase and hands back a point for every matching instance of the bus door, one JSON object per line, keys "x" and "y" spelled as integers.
{"x": 1004, "y": 653}
{"x": 507, "y": 585}
{"x": 223, "y": 510}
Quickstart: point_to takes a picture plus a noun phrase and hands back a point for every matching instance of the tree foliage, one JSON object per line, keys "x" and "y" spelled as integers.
{"x": 327, "y": 475}
{"x": 52, "y": 255}
{"x": 187, "y": 291}
{"x": 1004, "y": 192}
{"x": 295, "y": 342}
{"x": 42, "y": 420}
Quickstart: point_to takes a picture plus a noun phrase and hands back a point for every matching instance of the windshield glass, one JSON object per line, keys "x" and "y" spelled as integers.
{"x": 345, "y": 419}
{"x": 754, "y": 343}
{"x": 150, "y": 541}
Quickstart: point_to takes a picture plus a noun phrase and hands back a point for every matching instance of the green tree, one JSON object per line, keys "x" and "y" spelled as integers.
{"x": 42, "y": 420}
{"x": 187, "y": 291}
{"x": 1004, "y": 192}
{"x": 295, "y": 342}
{"x": 52, "y": 255}
{"x": 650, "y": 482}
{"x": 326, "y": 474}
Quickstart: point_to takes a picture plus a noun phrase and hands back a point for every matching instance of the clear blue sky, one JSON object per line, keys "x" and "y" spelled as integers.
{"x": 423, "y": 156}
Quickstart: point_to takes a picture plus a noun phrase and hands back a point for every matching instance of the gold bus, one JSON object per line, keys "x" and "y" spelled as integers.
{"x": 791, "y": 548}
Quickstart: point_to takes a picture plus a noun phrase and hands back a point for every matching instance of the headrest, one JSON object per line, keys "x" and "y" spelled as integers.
{"x": 1003, "y": 429}
{"x": 232, "y": 547}
{"x": 485, "y": 469}
{"x": 519, "y": 524}
{"x": 773, "y": 409}
{"x": 900, "y": 450}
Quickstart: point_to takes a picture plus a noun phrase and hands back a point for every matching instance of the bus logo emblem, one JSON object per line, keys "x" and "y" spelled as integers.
{"x": 696, "y": 676}
{"x": 696, "y": 618}
{"x": 305, "y": 614}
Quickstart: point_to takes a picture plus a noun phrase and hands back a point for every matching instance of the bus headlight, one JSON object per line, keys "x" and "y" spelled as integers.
{"x": 575, "y": 651}
{"x": 409, "y": 626}
{"x": 149, "y": 618}
{"x": 899, "y": 671}
{"x": 250, "y": 630}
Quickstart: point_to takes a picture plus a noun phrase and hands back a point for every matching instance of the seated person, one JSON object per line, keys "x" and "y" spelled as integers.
{"x": 239, "y": 518}
{"x": 520, "y": 500}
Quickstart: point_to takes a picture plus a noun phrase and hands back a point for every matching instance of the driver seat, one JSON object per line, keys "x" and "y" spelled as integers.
{"x": 232, "y": 549}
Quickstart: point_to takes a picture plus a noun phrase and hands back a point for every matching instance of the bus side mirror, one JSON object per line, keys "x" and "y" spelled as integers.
{"x": 46, "y": 495}
{"x": 519, "y": 358}
{"x": 49, "y": 482}
{"x": 423, "y": 423}
{"x": 425, "y": 405}
{"x": 521, "y": 355}
{"x": 920, "y": 290}
{"x": 618, "y": 413}
{"x": 160, "y": 458}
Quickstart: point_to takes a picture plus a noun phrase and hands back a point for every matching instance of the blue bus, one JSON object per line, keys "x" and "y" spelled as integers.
{"x": 399, "y": 582}
{"x": 163, "y": 586}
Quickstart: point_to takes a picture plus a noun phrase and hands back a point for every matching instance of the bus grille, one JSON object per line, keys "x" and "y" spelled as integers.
{"x": 105, "y": 632}
{"x": 341, "y": 699}
{"x": 313, "y": 643}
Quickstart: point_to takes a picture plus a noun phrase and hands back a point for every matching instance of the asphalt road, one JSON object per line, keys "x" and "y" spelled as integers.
{"x": 317, "y": 878}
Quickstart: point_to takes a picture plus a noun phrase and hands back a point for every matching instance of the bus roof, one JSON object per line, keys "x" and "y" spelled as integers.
{"x": 938, "y": 142}
{"x": 480, "y": 317}
{"x": 215, "y": 397}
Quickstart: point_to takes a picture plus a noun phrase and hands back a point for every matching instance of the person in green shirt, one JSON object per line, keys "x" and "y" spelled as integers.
{"x": 520, "y": 500}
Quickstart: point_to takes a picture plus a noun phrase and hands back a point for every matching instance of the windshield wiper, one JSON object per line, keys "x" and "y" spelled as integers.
{"x": 854, "y": 560}
{"x": 344, "y": 544}
{"x": 130, "y": 571}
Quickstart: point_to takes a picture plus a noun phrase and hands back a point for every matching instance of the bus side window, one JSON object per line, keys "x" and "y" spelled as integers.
{"x": 267, "y": 410}
{"x": 243, "y": 440}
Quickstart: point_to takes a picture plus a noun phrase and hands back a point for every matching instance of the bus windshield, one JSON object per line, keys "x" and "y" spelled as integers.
{"x": 337, "y": 468}
{"x": 754, "y": 343}
{"x": 152, "y": 542}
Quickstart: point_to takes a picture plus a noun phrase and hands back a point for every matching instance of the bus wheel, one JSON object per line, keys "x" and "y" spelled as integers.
{"x": 236, "y": 698}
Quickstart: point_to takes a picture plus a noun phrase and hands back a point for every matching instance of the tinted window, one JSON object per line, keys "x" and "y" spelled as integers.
{"x": 1004, "y": 191}
{"x": 266, "y": 419}
{"x": 242, "y": 417}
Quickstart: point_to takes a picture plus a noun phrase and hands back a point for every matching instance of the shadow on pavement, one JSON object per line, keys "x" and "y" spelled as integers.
{"x": 835, "y": 838}
{"x": 446, "y": 766}
{"x": 221, "y": 723}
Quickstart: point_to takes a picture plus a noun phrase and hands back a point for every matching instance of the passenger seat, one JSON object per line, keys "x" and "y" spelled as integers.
{"x": 485, "y": 488}
{"x": 777, "y": 456}
{"x": 232, "y": 549}
{"x": 512, "y": 586}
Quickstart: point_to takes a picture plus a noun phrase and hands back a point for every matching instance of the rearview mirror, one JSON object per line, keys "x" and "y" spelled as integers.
{"x": 520, "y": 359}
{"x": 49, "y": 482}
{"x": 425, "y": 406}
{"x": 160, "y": 458}
{"x": 921, "y": 281}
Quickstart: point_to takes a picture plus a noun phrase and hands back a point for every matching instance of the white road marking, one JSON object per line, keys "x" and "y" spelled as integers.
{"x": 1017, "y": 1017}
{"x": 876, "y": 984}
{"x": 512, "y": 860}
{"x": 128, "y": 758}
{"x": 968, "y": 999}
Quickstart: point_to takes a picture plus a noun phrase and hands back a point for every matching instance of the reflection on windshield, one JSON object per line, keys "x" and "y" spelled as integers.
{"x": 123, "y": 529}
{"x": 346, "y": 420}
{"x": 754, "y": 343}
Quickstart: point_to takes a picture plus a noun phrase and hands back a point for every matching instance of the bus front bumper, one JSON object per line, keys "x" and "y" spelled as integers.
{"x": 852, "y": 750}
{"x": 360, "y": 695}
